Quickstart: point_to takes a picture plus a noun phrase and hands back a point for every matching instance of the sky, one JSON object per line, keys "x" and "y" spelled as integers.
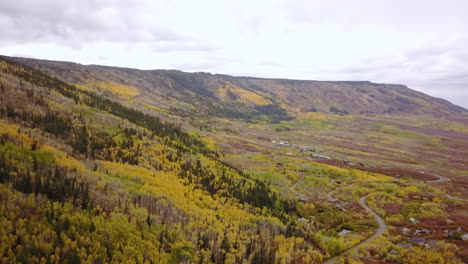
{"x": 419, "y": 43}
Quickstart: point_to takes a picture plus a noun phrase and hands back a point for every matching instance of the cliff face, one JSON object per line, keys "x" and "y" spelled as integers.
{"x": 248, "y": 98}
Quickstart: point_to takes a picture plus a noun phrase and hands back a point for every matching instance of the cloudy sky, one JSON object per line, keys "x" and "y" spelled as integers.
{"x": 420, "y": 43}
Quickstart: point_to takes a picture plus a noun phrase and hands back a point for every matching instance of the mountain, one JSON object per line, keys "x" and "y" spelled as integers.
{"x": 112, "y": 165}
{"x": 248, "y": 98}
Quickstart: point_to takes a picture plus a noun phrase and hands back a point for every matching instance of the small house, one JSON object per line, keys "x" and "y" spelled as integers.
{"x": 418, "y": 240}
{"x": 405, "y": 245}
{"x": 344, "y": 231}
{"x": 339, "y": 207}
{"x": 422, "y": 232}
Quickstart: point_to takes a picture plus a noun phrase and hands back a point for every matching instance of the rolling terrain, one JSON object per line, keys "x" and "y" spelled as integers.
{"x": 246, "y": 98}
{"x": 102, "y": 164}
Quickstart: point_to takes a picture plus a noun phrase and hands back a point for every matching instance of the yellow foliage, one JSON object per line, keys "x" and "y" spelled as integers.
{"x": 83, "y": 87}
{"x": 3, "y": 65}
{"x": 330, "y": 168}
{"x": 244, "y": 96}
{"x": 411, "y": 188}
{"x": 126, "y": 92}
{"x": 442, "y": 253}
{"x": 353, "y": 261}
{"x": 56, "y": 106}
{"x": 63, "y": 159}
{"x": 194, "y": 202}
{"x": 158, "y": 109}
{"x": 12, "y": 131}
{"x": 210, "y": 143}
{"x": 314, "y": 115}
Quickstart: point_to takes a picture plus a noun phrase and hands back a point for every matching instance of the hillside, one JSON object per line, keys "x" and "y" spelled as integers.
{"x": 251, "y": 99}
{"x": 112, "y": 165}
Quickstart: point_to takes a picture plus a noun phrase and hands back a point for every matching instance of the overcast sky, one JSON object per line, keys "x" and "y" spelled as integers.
{"x": 420, "y": 43}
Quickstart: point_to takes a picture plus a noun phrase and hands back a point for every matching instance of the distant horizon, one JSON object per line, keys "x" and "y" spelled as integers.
{"x": 234, "y": 75}
{"x": 237, "y": 131}
{"x": 420, "y": 43}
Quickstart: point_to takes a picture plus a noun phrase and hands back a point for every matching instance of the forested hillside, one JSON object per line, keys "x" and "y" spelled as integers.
{"x": 96, "y": 167}
{"x": 245, "y": 98}
{"x": 98, "y": 173}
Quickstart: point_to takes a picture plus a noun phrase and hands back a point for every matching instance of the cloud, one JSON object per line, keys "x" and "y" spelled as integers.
{"x": 76, "y": 23}
{"x": 177, "y": 46}
{"x": 418, "y": 43}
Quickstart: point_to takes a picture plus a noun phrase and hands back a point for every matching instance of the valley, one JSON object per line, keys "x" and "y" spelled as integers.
{"x": 113, "y": 165}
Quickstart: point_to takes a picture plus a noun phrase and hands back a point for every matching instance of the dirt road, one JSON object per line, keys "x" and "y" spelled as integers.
{"x": 442, "y": 179}
{"x": 297, "y": 182}
{"x": 382, "y": 228}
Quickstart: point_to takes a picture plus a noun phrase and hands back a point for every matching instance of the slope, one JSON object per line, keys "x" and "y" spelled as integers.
{"x": 252, "y": 99}
{"x": 141, "y": 189}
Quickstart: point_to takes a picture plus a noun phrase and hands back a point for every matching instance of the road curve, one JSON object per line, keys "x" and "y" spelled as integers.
{"x": 329, "y": 194}
{"x": 456, "y": 198}
{"x": 440, "y": 179}
{"x": 382, "y": 228}
{"x": 297, "y": 182}
{"x": 445, "y": 179}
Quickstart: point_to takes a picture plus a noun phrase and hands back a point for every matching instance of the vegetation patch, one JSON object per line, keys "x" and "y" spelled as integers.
{"x": 124, "y": 91}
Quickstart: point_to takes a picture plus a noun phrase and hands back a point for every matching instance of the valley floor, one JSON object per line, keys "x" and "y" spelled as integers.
{"x": 98, "y": 175}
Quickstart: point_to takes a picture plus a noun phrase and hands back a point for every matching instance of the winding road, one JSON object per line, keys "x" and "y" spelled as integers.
{"x": 329, "y": 194}
{"x": 297, "y": 182}
{"x": 382, "y": 225}
{"x": 382, "y": 228}
{"x": 456, "y": 198}
{"x": 442, "y": 179}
